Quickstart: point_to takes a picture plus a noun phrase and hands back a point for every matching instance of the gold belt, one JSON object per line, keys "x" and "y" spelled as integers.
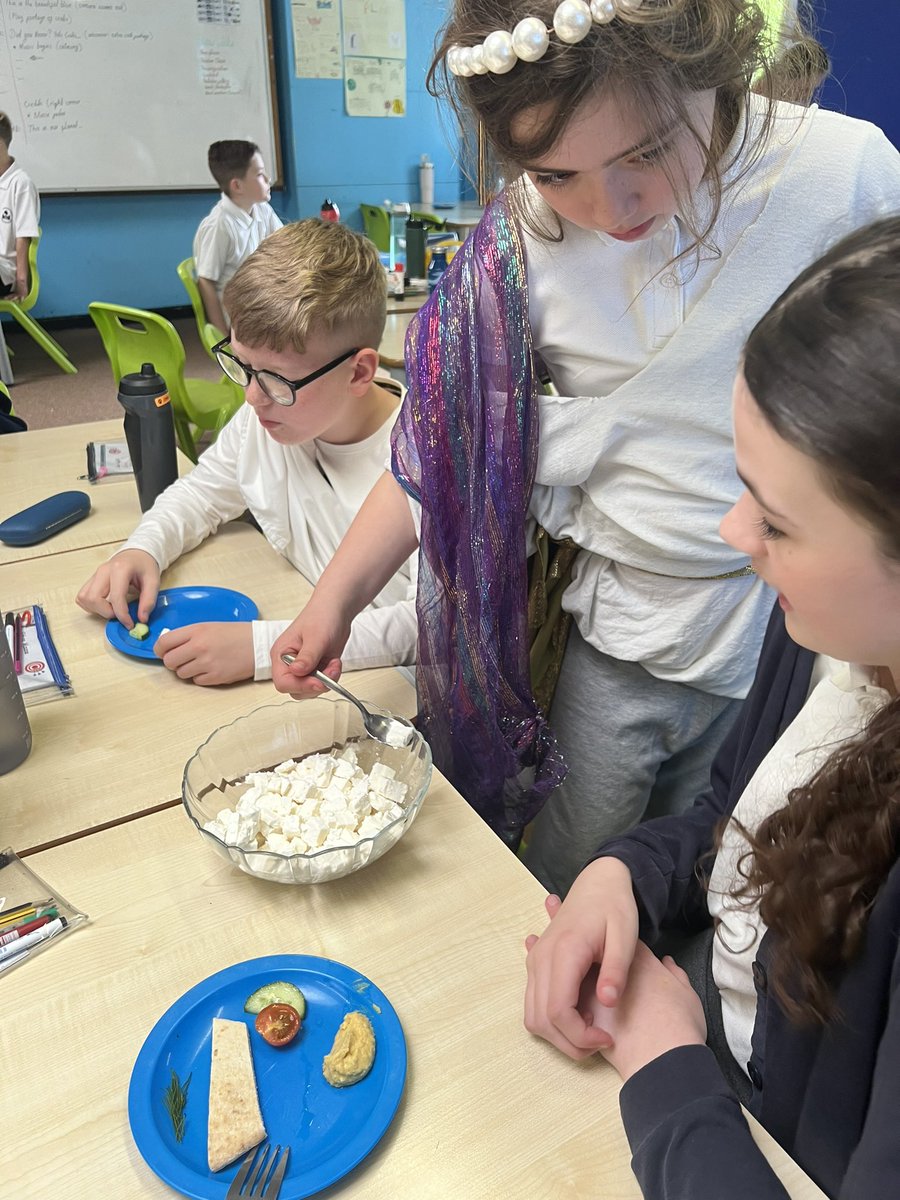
{"x": 740, "y": 573}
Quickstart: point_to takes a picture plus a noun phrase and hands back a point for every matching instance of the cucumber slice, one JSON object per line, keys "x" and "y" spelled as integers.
{"x": 139, "y": 631}
{"x": 277, "y": 992}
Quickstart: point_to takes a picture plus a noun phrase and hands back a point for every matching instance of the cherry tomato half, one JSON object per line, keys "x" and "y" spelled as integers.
{"x": 278, "y": 1024}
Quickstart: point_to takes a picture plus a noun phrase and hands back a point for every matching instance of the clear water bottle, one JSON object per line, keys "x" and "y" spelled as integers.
{"x": 436, "y": 267}
{"x": 149, "y": 431}
{"x": 15, "y": 732}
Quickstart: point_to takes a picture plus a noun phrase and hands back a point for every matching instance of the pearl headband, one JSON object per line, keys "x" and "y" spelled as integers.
{"x": 500, "y": 50}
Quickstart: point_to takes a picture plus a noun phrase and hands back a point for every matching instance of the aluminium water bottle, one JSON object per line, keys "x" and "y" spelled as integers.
{"x": 15, "y": 732}
{"x": 426, "y": 183}
{"x": 150, "y": 432}
{"x": 436, "y": 267}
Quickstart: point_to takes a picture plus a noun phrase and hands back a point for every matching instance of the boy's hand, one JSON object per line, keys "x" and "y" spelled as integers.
{"x": 20, "y": 288}
{"x": 316, "y": 644}
{"x": 578, "y": 968}
{"x": 128, "y": 573}
{"x": 210, "y": 652}
{"x": 658, "y": 1012}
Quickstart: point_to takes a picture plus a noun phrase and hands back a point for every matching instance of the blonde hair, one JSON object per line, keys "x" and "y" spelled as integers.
{"x": 651, "y": 61}
{"x": 306, "y": 280}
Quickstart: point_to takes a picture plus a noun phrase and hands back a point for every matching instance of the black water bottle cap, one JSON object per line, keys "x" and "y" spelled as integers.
{"x": 146, "y": 383}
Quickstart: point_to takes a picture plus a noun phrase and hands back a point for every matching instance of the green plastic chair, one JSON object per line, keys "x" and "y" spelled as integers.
{"x": 20, "y": 310}
{"x": 132, "y": 337}
{"x": 209, "y": 334}
{"x": 431, "y": 221}
{"x": 377, "y": 224}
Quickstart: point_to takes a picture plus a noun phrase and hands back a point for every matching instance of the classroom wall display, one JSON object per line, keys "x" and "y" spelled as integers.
{"x": 316, "y": 26}
{"x": 124, "y": 246}
{"x": 126, "y": 95}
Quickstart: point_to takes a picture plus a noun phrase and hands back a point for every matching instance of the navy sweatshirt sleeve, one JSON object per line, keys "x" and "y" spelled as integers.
{"x": 664, "y": 855}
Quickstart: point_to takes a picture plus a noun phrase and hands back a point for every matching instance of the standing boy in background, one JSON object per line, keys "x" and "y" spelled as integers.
{"x": 308, "y": 311}
{"x": 237, "y": 224}
{"x": 20, "y": 212}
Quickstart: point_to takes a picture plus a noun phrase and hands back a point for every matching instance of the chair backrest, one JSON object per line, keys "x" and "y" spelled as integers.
{"x": 188, "y": 275}
{"x": 377, "y": 224}
{"x": 430, "y": 220}
{"x": 132, "y": 337}
{"x": 208, "y": 333}
{"x": 29, "y": 300}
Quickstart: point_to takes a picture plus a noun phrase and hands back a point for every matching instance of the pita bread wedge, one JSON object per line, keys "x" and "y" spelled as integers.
{"x": 235, "y": 1122}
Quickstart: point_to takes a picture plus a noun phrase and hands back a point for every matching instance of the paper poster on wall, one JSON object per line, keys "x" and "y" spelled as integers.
{"x": 317, "y": 39}
{"x": 375, "y": 87}
{"x": 375, "y": 28}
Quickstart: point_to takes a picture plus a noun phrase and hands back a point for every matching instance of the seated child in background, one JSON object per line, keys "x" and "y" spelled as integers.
{"x": 20, "y": 214}
{"x": 308, "y": 310}
{"x": 237, "y": 224}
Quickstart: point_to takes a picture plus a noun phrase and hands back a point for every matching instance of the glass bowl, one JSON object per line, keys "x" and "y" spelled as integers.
{"x": 215, "y": 779}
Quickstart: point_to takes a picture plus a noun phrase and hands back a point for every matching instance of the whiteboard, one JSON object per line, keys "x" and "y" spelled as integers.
{"x": 127, "y": 95}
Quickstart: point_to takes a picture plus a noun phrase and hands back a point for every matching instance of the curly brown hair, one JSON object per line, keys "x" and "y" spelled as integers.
{"x": 650, "y": 59}
{"x": 823, "y": 368}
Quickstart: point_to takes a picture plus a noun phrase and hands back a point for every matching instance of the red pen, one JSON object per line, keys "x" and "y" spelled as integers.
{"x": 21, "y": 930}
{"x": 18, "y": 640}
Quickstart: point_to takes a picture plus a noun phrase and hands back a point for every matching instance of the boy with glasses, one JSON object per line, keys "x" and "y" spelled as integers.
{"x": 307, "y": 311}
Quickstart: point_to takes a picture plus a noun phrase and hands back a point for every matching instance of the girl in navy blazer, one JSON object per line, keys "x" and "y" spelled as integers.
{"x": 785, "y": 873}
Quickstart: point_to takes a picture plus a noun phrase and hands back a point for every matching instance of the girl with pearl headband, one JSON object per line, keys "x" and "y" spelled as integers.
{"x": 791, "y": 856}
{"x": 655, "y": 208}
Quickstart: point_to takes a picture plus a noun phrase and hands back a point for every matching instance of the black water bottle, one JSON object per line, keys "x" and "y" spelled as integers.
{"x": 415, "y": 249}
{"x": 150, "y": 432}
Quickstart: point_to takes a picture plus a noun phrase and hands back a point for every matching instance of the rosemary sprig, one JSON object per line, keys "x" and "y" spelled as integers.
{"x": 175, "y": 1100}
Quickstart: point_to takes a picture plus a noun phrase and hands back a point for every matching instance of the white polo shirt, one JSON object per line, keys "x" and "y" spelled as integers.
{"x": 227, "y": 236}
{"x": 20, "y": 215}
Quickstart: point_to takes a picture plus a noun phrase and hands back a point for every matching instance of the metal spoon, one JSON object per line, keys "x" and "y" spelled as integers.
{"x": 393, "y": 731}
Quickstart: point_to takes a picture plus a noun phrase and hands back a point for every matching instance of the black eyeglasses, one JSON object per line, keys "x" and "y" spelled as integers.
{"x": 276, "y": 387}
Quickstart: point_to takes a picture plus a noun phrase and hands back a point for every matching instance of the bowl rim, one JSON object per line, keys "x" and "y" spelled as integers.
{"x": 277, "y": 854}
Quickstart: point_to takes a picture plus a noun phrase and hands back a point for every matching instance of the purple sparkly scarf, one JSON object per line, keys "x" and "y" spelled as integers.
{"x": 465, "y": 446}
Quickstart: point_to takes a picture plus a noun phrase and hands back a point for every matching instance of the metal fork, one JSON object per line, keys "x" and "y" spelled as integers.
{"x": 267, "y": 1173}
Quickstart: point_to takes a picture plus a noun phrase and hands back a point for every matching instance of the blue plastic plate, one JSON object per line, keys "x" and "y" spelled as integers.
{"x": 330, "y": 1130}
{"x": 181, "y": 606}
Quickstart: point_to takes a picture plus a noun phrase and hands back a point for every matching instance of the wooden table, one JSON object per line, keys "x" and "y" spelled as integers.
{"x": 36, "y": 464}
{"x": 462, "y": 217}
{"x": 119, "y": 745}
{"x": 390, "y": 351}
{"x": 489, "y": 1113}
{"x": 410, "y": 303}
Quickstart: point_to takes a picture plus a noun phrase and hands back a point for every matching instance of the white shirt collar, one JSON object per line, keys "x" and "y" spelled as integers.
{"x": 236, "y": 212}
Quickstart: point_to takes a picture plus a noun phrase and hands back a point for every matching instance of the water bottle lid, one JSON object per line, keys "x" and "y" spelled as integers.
{"x": 147, "y": 382}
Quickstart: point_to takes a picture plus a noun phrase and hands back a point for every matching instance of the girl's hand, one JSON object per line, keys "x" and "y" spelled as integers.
{"x": 580, "y": 964}
{"x": 658, "y": 1012}
{"x": 315, "y": 642}
{"x": 130, "y": 572}
{"x": 210, "y": 652}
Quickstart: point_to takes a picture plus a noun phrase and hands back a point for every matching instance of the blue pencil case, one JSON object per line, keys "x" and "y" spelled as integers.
{"x": 44, "y": 519}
